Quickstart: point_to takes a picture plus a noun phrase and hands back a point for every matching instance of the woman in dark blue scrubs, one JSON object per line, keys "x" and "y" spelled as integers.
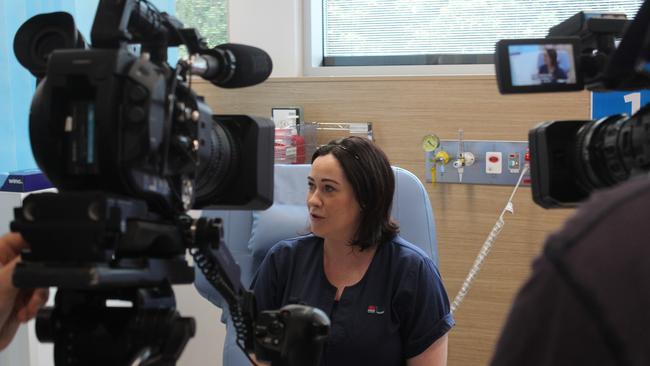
{"x": 384, "y": 296}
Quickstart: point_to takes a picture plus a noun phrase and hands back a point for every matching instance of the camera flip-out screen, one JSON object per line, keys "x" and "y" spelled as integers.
{"x": 538, "y": 65}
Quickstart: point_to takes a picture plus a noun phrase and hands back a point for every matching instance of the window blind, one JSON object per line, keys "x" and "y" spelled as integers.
{"x": 449, "y": 27}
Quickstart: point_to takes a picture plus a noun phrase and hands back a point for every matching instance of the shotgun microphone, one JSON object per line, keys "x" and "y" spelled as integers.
{"x": 232, "y": 65}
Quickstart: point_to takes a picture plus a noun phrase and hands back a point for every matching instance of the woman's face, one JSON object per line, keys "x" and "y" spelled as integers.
{"x": 333, "y": 207}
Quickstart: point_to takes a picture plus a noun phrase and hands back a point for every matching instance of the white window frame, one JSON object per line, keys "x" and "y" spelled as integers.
{"x": 313, "y": 55}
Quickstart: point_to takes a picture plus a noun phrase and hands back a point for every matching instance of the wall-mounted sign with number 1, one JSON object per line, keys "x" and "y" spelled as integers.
{"x": 608, "y": 103}
{"x": 635, "y": 101}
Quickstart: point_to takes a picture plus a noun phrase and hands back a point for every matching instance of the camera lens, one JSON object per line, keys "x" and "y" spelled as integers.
{"x": 219, "y": 166}
{"x": 608, "y": 151}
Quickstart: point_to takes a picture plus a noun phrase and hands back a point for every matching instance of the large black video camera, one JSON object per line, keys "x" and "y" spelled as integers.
{"x": 600, "y": 52}
{"x": 131, "y": 148}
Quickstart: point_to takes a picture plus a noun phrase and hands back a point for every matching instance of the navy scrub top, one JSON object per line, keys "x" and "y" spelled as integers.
{"x": 395, "y": 312}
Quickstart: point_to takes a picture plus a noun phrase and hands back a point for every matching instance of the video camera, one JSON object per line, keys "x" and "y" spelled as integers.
{"x": 599, "y": 52}
{"x": 131, "y": 148}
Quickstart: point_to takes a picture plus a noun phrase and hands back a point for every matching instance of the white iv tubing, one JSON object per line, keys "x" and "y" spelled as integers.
{"x": 485, "y": 249}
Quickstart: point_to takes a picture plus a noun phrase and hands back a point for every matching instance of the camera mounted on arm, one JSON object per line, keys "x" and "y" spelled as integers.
{"x": 131, "y": 148}
{"x": 599, "y": 52}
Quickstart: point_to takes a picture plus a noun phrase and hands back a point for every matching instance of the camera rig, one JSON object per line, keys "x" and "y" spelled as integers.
{"x": 131, "y": 148}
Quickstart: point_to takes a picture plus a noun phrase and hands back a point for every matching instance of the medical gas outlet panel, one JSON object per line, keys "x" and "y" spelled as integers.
{"x": 476, "y": 161}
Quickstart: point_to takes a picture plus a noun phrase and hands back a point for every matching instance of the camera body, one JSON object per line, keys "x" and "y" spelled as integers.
{"x": 599, "y": 52}
{"x": 131, "y": 148}
{"x": 109, "y": 126}
{"x": 574, "y": 55}
{"x": 109, "y": 120}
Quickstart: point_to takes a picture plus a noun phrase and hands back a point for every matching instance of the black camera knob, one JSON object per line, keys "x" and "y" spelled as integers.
{"x": 260, "y": 332}
{"x": 276, "y": 327}
{"x": 135, "y": 114}
{"x": 138, "y": 93}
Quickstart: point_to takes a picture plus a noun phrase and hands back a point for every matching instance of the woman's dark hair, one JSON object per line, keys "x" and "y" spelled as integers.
{"x": 368, "y": 170}
{"x": 552, "y": 55}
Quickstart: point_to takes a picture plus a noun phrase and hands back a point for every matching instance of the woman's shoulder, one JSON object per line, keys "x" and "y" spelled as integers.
{"x": 407, "y": 258}
{"x": 298, "y": 244}
{"x": 294, "y": 254}
{"x": 407, "y": 251}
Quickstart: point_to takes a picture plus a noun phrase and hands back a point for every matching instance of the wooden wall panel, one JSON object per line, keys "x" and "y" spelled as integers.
{"x": 402, "y": 110}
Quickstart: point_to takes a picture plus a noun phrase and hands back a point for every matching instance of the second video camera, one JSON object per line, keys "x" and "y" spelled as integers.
{"x": 599, "y": 52}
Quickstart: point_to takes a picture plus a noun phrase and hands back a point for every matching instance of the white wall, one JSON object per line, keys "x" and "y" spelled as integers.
{"x": 274, "y": 26}
{"x": 206, "y": 348}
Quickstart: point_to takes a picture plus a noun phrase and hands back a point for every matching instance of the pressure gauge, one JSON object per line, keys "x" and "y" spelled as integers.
{"x": 430, "y": 142}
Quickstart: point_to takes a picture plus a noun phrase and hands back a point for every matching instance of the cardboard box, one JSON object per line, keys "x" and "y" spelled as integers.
{"x": 28, "y": 180}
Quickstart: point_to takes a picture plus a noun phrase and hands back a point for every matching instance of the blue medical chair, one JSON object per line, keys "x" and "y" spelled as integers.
{"x": 250, "y": 234}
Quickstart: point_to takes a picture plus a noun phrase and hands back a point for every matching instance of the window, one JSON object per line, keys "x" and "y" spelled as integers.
{"x": 433, "y": 32}
{"x": 209, "y": 17}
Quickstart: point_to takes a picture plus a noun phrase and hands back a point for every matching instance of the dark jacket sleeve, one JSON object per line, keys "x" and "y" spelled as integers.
{"x": 548, "y": 325}
{"x": 586, "y": 301}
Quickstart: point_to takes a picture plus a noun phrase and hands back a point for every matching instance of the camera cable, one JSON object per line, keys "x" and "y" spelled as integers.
{"x": 204, "y": 259}
{"x": 208, "y": 264}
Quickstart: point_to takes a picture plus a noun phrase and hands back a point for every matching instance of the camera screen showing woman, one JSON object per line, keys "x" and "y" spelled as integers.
{"x": 536, "y": 64}
{"x": 550, "y": 71}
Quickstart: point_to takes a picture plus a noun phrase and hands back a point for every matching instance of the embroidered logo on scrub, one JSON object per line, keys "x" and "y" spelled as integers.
{"x": 374, "y": 309}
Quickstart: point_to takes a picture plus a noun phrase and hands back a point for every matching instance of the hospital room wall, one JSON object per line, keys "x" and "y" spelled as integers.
{"x": 402, "y": 110}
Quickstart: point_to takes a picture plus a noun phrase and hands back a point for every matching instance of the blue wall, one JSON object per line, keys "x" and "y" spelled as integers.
{"x": 17, "y": 84}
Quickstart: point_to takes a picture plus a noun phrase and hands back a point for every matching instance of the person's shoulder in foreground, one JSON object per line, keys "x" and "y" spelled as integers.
{"x": 586, "y": 301}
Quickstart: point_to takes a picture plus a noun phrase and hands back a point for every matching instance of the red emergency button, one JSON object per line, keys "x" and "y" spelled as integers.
{"x": 493, "y": 159}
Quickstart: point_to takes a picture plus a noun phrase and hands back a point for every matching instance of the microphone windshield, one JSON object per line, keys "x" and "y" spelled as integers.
{"x": 251, "y": 65}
